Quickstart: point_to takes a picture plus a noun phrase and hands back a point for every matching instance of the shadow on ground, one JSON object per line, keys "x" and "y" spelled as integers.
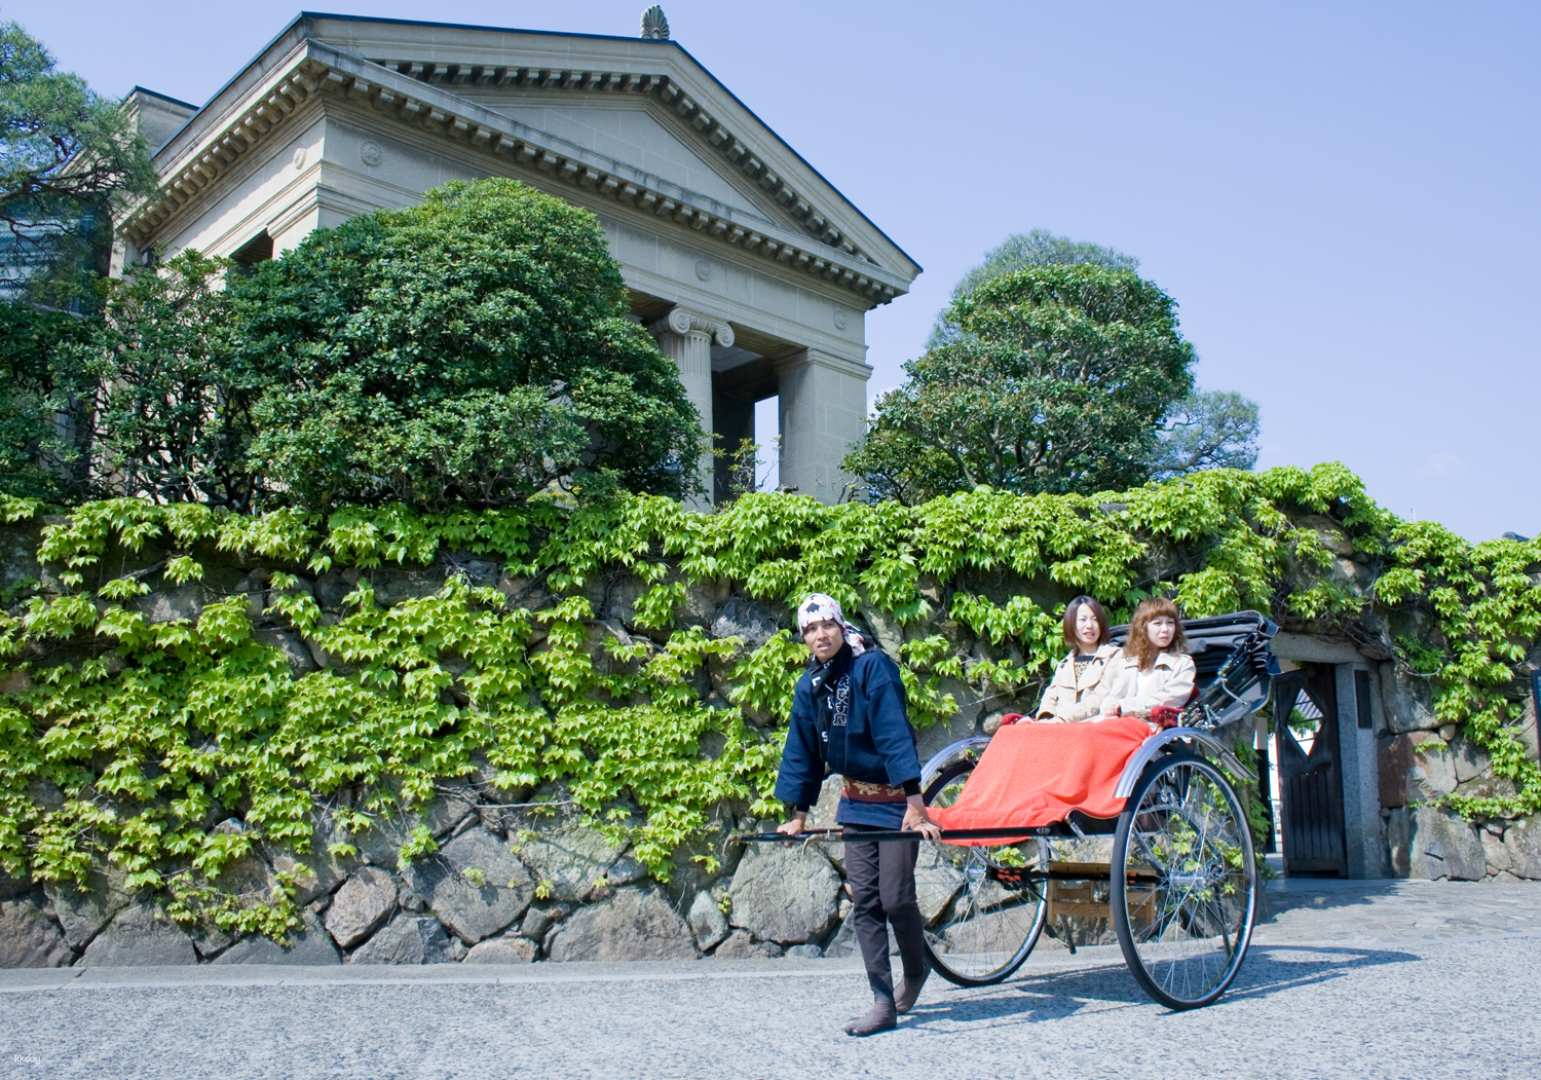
{"x": 1268, "y": 969}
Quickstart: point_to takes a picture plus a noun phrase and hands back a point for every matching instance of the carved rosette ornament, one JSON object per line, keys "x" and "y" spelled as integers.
{"x": 655, "y": 25}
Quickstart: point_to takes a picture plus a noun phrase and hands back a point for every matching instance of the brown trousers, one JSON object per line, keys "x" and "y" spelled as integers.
{"x": 882, "y": 880}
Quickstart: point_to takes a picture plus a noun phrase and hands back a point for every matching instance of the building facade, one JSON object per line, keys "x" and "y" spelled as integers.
{"x": 754, "y": 273}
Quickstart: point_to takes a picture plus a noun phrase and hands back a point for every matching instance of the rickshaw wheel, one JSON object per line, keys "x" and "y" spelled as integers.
{"x": 998, "y": 903}
{"x": 1183, "y": 882}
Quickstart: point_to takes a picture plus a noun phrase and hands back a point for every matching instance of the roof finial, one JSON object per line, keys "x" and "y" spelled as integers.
{"x": 655, "y": 24}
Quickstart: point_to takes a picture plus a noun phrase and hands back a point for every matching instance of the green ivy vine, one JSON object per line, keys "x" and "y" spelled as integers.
{"x": 578, "y": 665}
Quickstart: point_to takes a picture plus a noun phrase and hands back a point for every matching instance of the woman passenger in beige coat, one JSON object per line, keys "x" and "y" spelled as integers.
{"x": 1154, "y": 668}
{"x": 1076, "y": 691}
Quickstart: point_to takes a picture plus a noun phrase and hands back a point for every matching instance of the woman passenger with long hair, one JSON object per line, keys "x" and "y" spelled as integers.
{"x": 1154, "y": 669}
{"x": 1075, "y": 693}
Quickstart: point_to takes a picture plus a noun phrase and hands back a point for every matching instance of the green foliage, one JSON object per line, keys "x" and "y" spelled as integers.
{"x": 128, "y": 740}
{"x": 43, "y": 396}
{"x": 468, "y": 351}
{"x": 172, "y": 417}
{"x": 1057, "y": 383}
{"x": 465, "y": 353}
{"x": 67, "y": 156}
{"x": 1207, "y": 429}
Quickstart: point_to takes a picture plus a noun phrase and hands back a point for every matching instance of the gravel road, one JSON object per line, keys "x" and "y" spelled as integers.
{"x": 1363, "y": 979}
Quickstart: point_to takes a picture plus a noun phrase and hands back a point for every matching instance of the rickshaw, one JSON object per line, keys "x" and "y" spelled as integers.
{"x": 1182, "y": 880}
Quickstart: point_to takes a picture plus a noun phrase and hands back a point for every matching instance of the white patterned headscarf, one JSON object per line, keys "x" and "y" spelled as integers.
{"x": 818, "y": 606}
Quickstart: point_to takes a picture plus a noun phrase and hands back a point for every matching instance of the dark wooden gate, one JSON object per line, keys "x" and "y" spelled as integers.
{"x": 1305, "y": 709}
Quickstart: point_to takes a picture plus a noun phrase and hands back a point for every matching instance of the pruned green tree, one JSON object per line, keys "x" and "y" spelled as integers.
{"x": 1208, "y": 429}
{"x": 67, "y": 157}
{"x": 1058, "y": 382}
{"x": 471, "y": 350}
{"x": 1204, "y": 430}
{"x": 1036, "y": 248}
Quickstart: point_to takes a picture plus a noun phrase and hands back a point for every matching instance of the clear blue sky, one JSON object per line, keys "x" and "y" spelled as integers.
{"x": 1342, "y": 197}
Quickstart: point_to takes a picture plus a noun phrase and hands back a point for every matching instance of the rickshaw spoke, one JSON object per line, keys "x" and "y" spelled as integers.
{"x": 998, "y": 899}
{"x": 1184, "y": 933}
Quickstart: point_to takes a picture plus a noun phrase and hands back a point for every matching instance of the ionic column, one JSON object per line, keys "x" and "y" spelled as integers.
{"x": 686, "y": 337}
{"x": 822, "y": 403}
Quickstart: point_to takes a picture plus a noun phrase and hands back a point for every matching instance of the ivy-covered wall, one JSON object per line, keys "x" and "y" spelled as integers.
{"x": 234, "y": 720}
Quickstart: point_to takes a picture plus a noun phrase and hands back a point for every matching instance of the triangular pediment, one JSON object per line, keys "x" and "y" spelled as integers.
{"x": 734, "y": 150}
{"x": 634, "y": 134}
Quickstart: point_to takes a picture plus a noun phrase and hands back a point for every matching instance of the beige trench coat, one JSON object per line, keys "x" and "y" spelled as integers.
{"x": 1168, "y": 682}
{"x": 1071, "y": 699}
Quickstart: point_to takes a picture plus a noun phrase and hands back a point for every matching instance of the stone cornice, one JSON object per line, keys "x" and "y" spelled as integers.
{"x": 198, "y": 164}
{"x": 318, "y": 70}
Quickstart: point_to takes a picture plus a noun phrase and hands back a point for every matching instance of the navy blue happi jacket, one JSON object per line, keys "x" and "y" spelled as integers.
{"x": 850, "y": 719}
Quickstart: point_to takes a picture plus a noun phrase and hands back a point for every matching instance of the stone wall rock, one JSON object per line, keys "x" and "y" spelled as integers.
{"x": 301, "y": 660}
{"x": 754, "y": 622}
{"x": 1406, "y": 701}
{"x": 29, "y": 939}
{"x": 1433, "y": 773}
{"x": 572, "y": 860}
{"x": 171, "y": 605}
{"x": 636, "y": 923}
{"x": 741, "y": 945}
{"x": 140, "y": 935}
{"x": 312, "y": 946}
{"x": 541, "y": 918}
{"x": 10, "y": 886}
{"x": 823, "y": 812}
{"x": 785, "y": 893}
{"x": 1399, "y": 830}
{"x": 394, "y": 584}
{"x": 83, "y": 912}
{"x": 316, "y": 870}
{"x": 1441, "y": 845}
{"x": 1499, "y": 861}
{"x": 1529, "y": 731}
{"x": 361, "y": 906}
{"x": 844, "y": 942}
{"x": 707, "y": 921}
{"x": 1394, "y": 764}
{"x": 504, "y": 950}
{"x": 473, "y": 909}
{"x": 1522, "y": 845}
{"x": 406, "y": 939}
{"x": 381, "y": 844}
{"x": 209, "y": 941}
{"x": 936, "y": 882}
{"x": 1470, "y": 763}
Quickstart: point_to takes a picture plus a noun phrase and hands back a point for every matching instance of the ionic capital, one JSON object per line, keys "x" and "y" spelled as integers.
{"x": 686, "y": 322}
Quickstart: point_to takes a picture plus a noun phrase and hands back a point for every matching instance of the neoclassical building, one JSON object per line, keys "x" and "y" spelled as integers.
{"x": 753, "y": 271}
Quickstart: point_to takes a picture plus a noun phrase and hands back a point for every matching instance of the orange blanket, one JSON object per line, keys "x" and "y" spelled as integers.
{"x": 1035, "y": 774}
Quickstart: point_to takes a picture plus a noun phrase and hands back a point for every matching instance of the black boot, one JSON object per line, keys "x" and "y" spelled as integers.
{"x": 909, "y": 990}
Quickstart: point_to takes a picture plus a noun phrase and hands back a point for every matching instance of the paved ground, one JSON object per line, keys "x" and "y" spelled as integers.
{"x": 1362, "y": 979}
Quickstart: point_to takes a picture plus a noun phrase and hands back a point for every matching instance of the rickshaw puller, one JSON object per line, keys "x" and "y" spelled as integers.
{"x": 848, "y": 717}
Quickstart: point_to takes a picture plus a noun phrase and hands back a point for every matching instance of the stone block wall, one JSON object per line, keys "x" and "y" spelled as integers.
{"x": 509, "y": 885}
